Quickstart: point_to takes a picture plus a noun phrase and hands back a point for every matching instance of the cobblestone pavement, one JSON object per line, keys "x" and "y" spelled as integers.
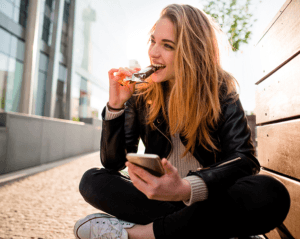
{"x": 47, "y": 204}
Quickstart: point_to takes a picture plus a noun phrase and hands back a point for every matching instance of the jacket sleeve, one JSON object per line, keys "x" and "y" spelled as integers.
{"x": 119, "y": 136}
{"x": 236, "y": 151}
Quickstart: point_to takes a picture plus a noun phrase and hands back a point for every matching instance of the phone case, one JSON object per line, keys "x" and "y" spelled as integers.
{"x": 150, "y": 162}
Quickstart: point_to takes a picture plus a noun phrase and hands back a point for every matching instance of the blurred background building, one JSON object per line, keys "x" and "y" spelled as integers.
{"x": 55, "y": 55}
{"x": 54, "y": 61}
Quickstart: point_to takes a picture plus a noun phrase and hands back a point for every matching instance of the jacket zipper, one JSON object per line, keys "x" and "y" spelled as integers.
{"x": 167, "y": 139}
{"x": 232, "y": 160}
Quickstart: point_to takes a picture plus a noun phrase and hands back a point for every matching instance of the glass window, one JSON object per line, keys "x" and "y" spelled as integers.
{"x": 24, "y": 5}
{"x": 62, "y": 73}
{"x": 44, "y": 60}
{"x": 49, "y": 3}
{"x": 7, "y": 8}
{"x": 62, "y": 49}
{"x": 46, "y": 29}
{"x": 23, "y": 19}
{"x": 39, "y": 91}
{"x": 98, "y": 101}
{"x": 84, "y": 98}
{"x": 13, "y": 46}
{"x": 5, "y": 41}
{"x": 17, "y": 48}
{"x": 75, "y": 94}
{"x": 40, "y": 94}
{"x": 66, "y": 11}
{"x": 14, "y": 84}
{"x": 60, "y": 102}
{"x": 16, "y": 14}
{"x": 3, "y": 78}
{"x": 20, "y": 50}
{"x": 17, "y": 3}
{"x": 23, "y": 12}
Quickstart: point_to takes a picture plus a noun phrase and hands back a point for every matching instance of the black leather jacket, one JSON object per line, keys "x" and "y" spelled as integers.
{"x": 221, "y": 169}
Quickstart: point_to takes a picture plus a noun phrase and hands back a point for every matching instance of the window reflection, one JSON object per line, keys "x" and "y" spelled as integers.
{"x": 40, "y": 94}
{"x": 75, "y": 95}
{"x": 7, "y": 8}
{"x": 61, "y": 93}
{"x": 14, "y": 84}
{"x": 5, "y": 41}
{"x": 23, "y": 12}
{"x": 39, "y": 90}
{"x": 84, "y": 98}
{"x": 16, "y": 14}
{"x": 3, "y": 79}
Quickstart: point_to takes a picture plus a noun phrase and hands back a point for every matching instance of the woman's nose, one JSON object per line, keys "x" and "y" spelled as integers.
{"x": 154, "y": 52}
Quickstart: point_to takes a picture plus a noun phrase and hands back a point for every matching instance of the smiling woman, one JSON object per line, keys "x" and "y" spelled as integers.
{"x": 189, "y": 116}
{"x": 162, "y": 50}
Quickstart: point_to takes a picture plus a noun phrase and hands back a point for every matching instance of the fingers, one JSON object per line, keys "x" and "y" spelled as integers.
{"x": 112, "y": 71}
{"x": 168, "y": 167}
{"x": 140, "y": 172}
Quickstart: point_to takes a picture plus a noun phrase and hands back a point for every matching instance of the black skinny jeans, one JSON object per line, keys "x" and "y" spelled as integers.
{"x": 253, "y": 205}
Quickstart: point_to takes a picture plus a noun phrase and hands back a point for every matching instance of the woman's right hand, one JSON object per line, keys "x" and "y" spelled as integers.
{"x": 119, "y": 94}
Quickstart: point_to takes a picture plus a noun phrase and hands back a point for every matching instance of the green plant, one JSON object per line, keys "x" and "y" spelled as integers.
{"x": 75, "y": 119}
{"x": 234, "y": 18}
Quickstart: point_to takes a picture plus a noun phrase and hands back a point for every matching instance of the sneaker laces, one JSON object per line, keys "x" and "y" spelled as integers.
{"x": 107, "y": 228}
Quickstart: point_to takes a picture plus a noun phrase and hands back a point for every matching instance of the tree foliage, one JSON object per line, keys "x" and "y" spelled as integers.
{"x": 234, "y": 18}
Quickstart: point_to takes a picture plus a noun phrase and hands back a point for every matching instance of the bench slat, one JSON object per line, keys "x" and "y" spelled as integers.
{"x": 293, "y": 218}
{"x": 278, "y": 97}
{"x": 282, "y": 39}
{"x": 279, "y": 147}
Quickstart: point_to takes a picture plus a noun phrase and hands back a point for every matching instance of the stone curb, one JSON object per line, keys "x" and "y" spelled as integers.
{"x": 11, "y": 177}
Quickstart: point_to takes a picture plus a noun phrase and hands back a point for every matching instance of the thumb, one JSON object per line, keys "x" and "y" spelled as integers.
{"x": 168, "y": 167}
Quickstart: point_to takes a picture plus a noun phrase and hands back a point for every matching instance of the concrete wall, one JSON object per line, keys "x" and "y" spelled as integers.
{"x": 28, "y": 140}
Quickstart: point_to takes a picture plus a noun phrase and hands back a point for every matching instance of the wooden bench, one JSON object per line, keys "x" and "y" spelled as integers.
{"x": 278, "y": 109}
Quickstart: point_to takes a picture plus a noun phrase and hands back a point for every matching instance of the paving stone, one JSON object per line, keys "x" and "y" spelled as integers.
{"x": 47, "y": 204}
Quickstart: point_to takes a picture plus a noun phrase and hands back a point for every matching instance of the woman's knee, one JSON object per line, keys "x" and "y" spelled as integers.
{"x": 279, "y": 196}
{"x": 90, "y": 179}
{"x": 273, "y": 199}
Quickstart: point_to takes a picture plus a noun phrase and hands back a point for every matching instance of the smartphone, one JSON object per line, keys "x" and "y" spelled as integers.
{"x": 149, "y": 162}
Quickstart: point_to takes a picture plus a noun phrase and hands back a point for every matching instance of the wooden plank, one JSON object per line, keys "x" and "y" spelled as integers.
{"x": 279, "y": 147}
{"x": 292, "y": 220}
{"x": 273, "y": 235}
{"x": 281, "y": 10}
{"x": 281, "y": 41}
{"x": 278, "y": 97}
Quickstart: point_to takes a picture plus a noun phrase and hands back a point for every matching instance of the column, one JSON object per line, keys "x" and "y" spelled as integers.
{"x": 53, "y": 66}
{"x": 31, "y": 57}
{"x": 70, "y": 59}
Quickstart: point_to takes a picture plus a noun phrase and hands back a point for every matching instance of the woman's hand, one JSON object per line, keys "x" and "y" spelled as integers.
{"x": 119, "y": 94}
{"x": 169, "y": 187}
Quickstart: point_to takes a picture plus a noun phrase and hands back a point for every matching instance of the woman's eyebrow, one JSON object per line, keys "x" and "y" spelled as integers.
{"x": 164, "y": 40}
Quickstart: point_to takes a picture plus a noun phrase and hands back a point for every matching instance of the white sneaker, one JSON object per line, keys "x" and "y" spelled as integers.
{"x": 101, "y": 226}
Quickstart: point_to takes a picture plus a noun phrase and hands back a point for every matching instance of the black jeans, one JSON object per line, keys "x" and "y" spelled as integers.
{"x": 253, "y": 205}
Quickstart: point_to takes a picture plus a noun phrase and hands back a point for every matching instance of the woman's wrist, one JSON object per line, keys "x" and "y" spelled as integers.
{"x": 186, "y": 190}
{"x": 114, "y": 107}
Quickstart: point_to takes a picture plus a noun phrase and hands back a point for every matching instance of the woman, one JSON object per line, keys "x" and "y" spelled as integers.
{"x": 190, "y": 115}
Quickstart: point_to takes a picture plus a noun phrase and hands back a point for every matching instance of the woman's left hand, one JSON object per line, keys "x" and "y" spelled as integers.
{"x": 169, "y": 187}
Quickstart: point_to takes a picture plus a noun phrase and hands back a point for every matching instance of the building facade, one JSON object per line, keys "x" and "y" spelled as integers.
{"x": 55, "y": 55}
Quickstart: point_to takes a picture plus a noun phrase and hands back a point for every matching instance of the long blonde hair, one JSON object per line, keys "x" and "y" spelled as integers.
{"x": 194, "y": 106}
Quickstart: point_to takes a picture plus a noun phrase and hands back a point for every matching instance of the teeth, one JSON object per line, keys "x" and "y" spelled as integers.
{"x": 158, "y": 66}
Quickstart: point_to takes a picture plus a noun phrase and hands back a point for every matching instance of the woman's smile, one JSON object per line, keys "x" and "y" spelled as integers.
{"x": 162, "y": 50}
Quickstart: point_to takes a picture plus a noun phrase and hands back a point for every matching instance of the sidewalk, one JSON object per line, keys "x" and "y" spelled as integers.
{"x": 46, "y": 204}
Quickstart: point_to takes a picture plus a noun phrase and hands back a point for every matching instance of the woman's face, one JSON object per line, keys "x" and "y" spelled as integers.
{"x": 162, "y": 50}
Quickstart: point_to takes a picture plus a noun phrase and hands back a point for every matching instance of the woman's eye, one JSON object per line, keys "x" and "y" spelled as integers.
{"x": 169, "y": 47}
{"x": 152, "y": 41}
